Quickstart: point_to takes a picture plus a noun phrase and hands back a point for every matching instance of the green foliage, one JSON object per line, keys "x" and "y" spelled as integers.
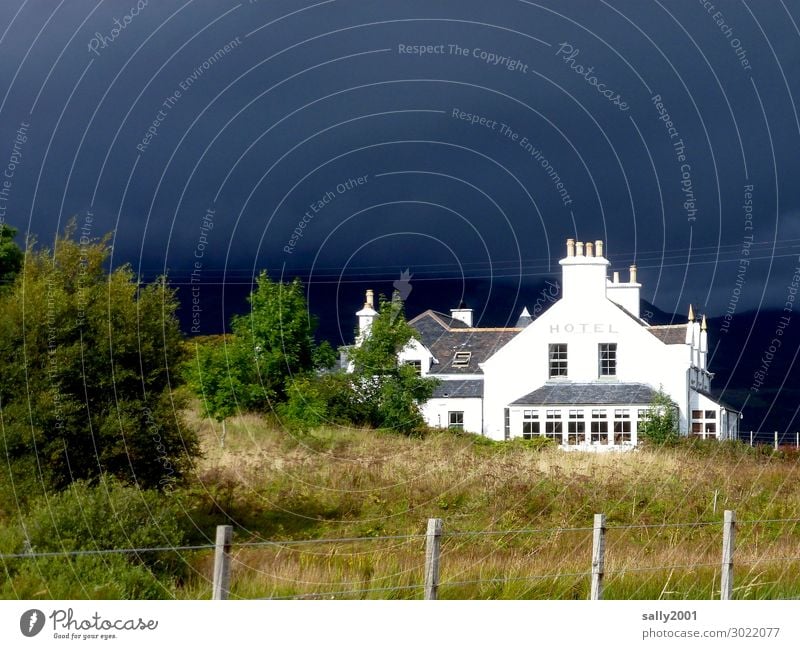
{"x": 379, "y": 393}
{"x": 661, "y": 423}
{"x": 265, "y": 361}
{"x": 390, "y": 392}
{"x": 85, "y": 358}
{"x": 316, "y": 400}
{"x": 216, "y": 373}
{"x": 277, "y": 335}
{"x": 10, "y": 255}
{"x": 96, "y": 517}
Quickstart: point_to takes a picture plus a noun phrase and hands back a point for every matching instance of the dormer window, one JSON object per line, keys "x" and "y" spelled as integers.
{"x": 461, "y": 359}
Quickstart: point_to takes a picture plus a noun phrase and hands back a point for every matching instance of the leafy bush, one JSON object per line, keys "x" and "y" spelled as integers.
{"x": 316, "y": 400}
{"x": 108, "y": 515}
{"x": 660, "y": 426}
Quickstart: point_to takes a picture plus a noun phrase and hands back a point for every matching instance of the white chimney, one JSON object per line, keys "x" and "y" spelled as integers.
{"x": 366, "y": 316}
{"x": 583, "y": 277}
{"x": 626, "y": 294}
{"x": 462, "y": 313}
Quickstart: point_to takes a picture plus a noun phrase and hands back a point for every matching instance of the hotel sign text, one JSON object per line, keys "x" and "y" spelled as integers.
{"x": 583, "y": 328}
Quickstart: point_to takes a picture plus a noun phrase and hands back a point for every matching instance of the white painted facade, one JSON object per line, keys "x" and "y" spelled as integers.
{"x": 583, "y": 372}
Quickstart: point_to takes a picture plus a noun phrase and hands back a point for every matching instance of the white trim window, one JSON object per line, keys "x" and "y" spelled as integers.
{"x": 607, "y": 359}
{"x": 599, "y": 427}
{"x": 622, "y": 426}
{"x": 576, "y": 428}
{"x": 704, "y": 423}
{"x": 557, "y": 358}
{"x": 553, "y": 426}
{"x": 455, "y": 419}
{"x": 530, "y": 424}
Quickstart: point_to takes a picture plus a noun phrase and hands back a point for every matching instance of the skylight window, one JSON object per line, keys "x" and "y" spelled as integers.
{"x": 461, "y": 359}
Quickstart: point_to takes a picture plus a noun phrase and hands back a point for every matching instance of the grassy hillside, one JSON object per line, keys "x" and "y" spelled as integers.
{"x": 358, "y": 483}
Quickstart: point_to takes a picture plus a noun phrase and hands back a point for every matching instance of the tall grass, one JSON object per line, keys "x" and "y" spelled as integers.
{"x": 338, "y": 483}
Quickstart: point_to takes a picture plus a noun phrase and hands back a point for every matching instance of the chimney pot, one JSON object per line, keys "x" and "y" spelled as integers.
{"x": 370, "y": 299}
{"x": 633, "y": 274}
{"x": 589, "y": 249}
{"x": 598, "y": 248}
{"x": 616, "y": 277}
{"x": 579, "y": 248}
{"x": 570, "y": 247}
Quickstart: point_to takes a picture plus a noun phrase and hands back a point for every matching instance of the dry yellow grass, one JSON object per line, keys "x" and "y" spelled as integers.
{"x": 339, "y": 483}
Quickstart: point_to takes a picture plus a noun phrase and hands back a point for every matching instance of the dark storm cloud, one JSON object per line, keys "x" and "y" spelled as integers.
{"x": 346, "y": 141}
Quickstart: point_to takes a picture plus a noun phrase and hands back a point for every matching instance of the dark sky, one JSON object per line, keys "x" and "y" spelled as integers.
{"x": 309, "y": 95}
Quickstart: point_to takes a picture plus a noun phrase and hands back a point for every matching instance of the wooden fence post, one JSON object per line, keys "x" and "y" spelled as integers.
{"x": 222, "y": 562}
{"x": 728, "y": 539}
{"x": 433, "y": 548}
{"x": 598, "y": 555}
{"x": 797, "y": 440}
{"x": 776, "y": 440}
{"x": 751, "y": 438}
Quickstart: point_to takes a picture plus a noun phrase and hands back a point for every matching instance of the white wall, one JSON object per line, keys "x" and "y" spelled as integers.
{"x": 416, "y": 351}
{"x": 522, "y": 366}
{"x": 435, "y": 412}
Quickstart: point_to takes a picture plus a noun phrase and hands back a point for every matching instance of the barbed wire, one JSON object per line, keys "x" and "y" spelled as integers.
{"x": 350, "y": 539}
{"x": 686, "y": 566}
{"x": 79, "y": 553}
{"x": 357, "y": 591}
{"x": 765, "y": 560}
{"x": 769, "y": 520}
{"x": 524, "y": 530}
{"x": 393, "y": 537}
{"x": 492, "y": 580}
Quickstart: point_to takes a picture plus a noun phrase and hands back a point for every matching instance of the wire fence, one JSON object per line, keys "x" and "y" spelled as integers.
{"x": 506, "y": 562}
{"x": 775, "y": 439}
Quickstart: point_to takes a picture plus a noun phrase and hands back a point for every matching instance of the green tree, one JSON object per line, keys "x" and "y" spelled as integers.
{"x": 390, "y": 392}
{"x": 270, "y": 350}
{"x": 10, "y": 255}
{"x": 86, "y": 358}
{"x": 660, "y": 426}
{"x": 217, "y": 373}
{"x": 278, "y": 336}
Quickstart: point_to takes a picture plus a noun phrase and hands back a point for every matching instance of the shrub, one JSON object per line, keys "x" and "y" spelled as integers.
{"x": 107, "y": 515}
{"x": 660, "y": 426}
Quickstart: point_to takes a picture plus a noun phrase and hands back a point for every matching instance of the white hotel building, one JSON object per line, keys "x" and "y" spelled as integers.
{"x": 583, "y": 373}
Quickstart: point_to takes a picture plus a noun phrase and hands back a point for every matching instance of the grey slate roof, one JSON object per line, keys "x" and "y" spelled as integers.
{"x": 461, "y": 388}
{"x": 669, "y": 334}
{"x": 602, "y": 394}
{"x": 444, "y": 336}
